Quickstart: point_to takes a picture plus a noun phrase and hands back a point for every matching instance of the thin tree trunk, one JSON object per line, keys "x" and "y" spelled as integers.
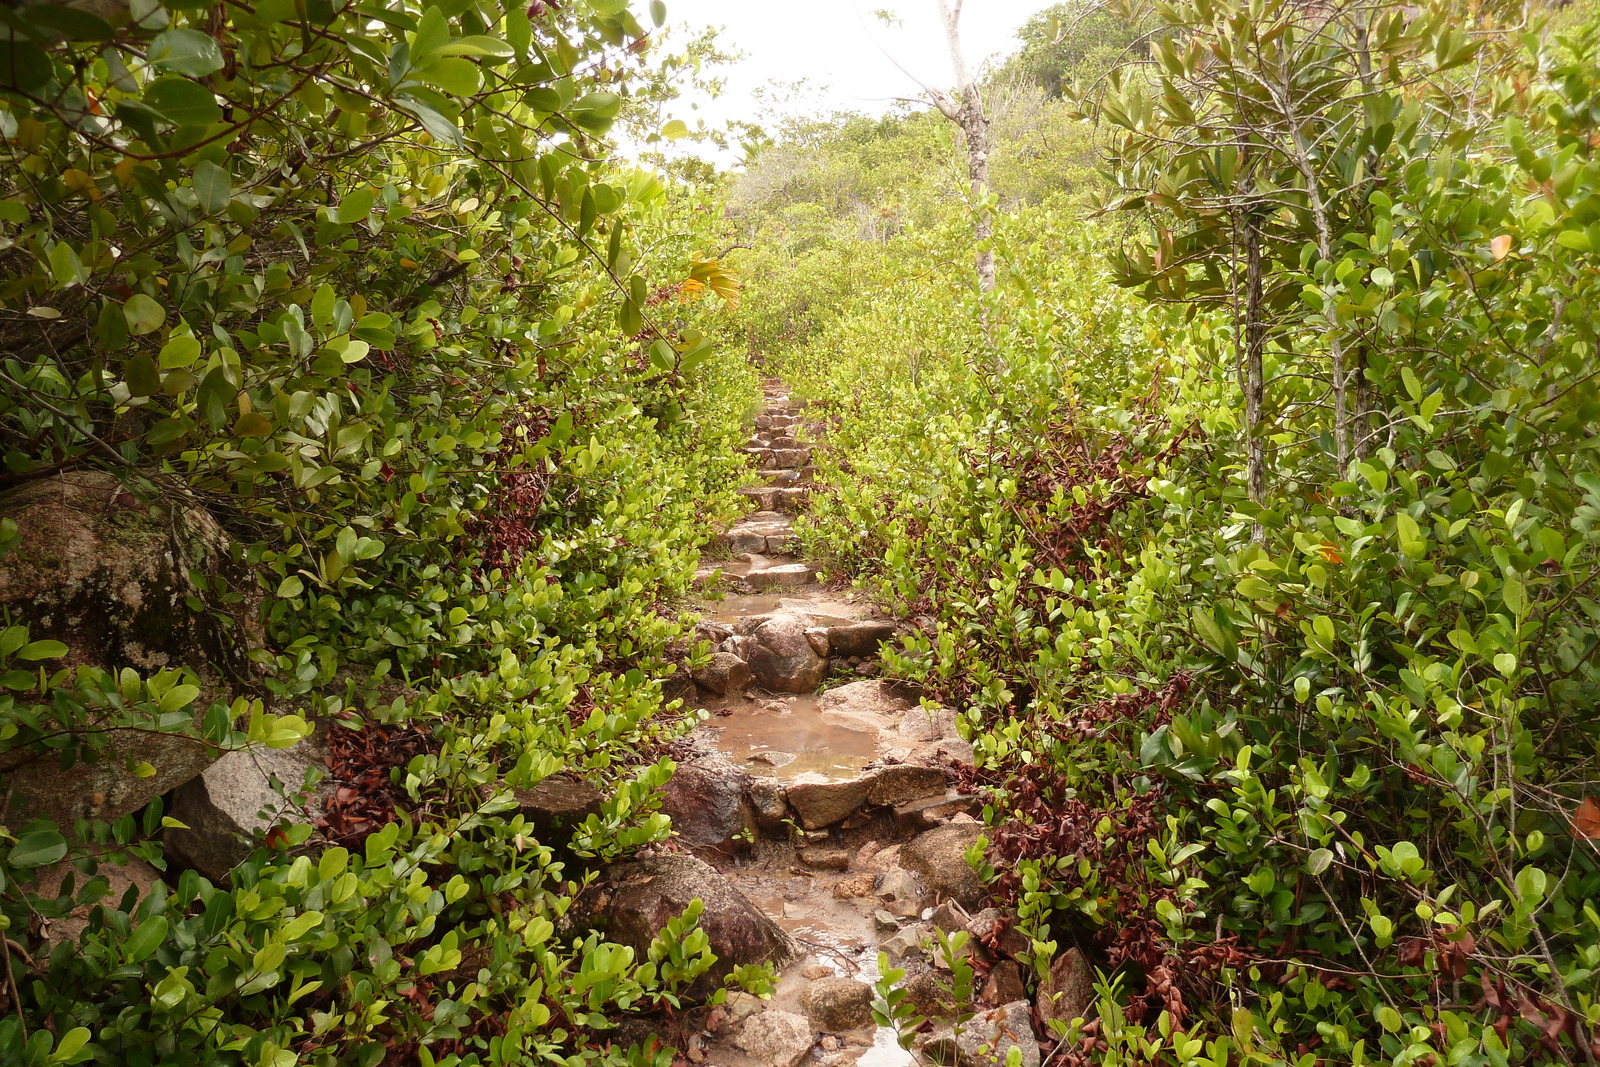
{"x": 969, "y": 114}
{"x": 1255, "y": 333}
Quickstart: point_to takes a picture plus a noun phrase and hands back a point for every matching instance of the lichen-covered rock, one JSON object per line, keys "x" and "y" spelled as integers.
{"x": 122, "y": 583}
{"x": 986, "y": 1040}
{"x": 111, "y": 577}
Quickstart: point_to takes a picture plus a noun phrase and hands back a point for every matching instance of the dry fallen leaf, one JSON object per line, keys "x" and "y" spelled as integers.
{"x": 1586, "y": 820}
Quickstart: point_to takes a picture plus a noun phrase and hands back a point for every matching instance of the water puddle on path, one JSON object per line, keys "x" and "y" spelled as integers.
{"x": 731, "y": 609}
{"x": 787, "y": 737}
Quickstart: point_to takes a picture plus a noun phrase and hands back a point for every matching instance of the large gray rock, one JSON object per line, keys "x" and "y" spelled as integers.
{"x": 838, "y": 1004}
{"x": 776, "y": 1038}
{"x": 939, "y": 858}
{"x": 633, "y": 901}
{"x": 986, "y": 1040}
{"x": 781, "y": 657}
{"x": 860, "y": 638}
{"x": 122, "y": 583}
{"x": 705, "y": 798}
{"x": 228, "y": 810}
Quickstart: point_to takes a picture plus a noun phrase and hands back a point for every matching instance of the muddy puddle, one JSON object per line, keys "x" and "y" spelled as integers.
{"x": 731, "y": 609}
{"x": 787, "y": 737}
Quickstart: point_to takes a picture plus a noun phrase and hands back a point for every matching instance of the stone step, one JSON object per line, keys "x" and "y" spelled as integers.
{"x": 792, "y": 500}
{"x": 775, "y": 576}
{"x": 785, "y": 458}
{"x": 774, "y": 536}
{"x": 783, "y": 478}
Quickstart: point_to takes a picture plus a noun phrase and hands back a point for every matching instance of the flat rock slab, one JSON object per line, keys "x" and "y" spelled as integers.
{"x": 557, "y": 806}
{"x": 865, "y": 705}
{"x": 821, "y": 801}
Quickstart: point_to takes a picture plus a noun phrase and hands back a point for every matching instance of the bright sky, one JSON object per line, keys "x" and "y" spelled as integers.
{"x": 838, "y": 44}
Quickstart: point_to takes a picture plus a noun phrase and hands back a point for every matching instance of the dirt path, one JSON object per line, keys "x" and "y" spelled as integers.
{"x": 826, "y": 798}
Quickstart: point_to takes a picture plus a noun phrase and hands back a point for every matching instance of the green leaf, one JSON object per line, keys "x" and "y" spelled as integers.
{"x": 149, "y": 936}
{"x": 181, "y": 350}
{"x": 1515, "y": 596}
{"x": 212, "y": 187}
{"x": 38, "y": 849}
{"x": 36, "y": 650}
{"x": 356, "y": 205}
{"x": 458, "y": 77}
{"x": 141, "y": 375}
{"x": 182, "y": 102}
{"x": 184, "y": 51}
{"x": 144, "y": 315}
{"x": 440, "y": 126}
{"x": 71, "y": 1043}
{"x": 476, "y": 46}
{"x": 291, "y": 586}
{"x": 676, "y": 130}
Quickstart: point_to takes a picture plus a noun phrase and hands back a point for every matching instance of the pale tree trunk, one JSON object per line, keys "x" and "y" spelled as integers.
{"x": 968, "y": 113}
{"x": 1255, "y": 333}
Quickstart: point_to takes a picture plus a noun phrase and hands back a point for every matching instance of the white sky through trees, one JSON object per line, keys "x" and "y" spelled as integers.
{"x": 832, "y": 44}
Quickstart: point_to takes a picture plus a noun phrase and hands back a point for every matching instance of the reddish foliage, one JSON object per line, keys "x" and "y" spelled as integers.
{"x": 364, "y": 799}
{"x": 507, "y": 527}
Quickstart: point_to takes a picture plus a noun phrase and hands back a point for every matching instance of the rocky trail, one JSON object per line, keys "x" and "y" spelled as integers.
{"x": 821, "y": 828}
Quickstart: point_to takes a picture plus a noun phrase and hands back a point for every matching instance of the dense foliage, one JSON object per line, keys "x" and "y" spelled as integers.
{"x": 359, "y": 280}
{"x": 1260, "y": 554}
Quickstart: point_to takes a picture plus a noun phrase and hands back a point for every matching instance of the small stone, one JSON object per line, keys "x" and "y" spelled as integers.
{"x": 814, "y": 971}
{"x": 906, "y": 941}
{"x": 929, "y": 995}
{"x": 829, "y": 1043}
{"x": 1067, "y": 993}
{"x": 901, "y": 891}
{"x": 776, "y": 1038}
{"x": 824, "y": 859}
{"x": 924, "y": 814}
{"x": 769, "y": 802}
{"x": 853, "y": 887}
{"x": 885, "y": 921}
{"x": 1009, "y": 942}
{"x": 726, "y": 672}
{"x": 838, "y": 1004}
{"x": 950, "y": 917}
{"x": 1004, "y": 984}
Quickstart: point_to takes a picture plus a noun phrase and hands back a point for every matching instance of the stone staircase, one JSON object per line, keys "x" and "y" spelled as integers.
{"x": 763, "y": 546}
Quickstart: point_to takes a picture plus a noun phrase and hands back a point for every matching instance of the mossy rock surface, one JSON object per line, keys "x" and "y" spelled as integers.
{"x": 122, "y": 580}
